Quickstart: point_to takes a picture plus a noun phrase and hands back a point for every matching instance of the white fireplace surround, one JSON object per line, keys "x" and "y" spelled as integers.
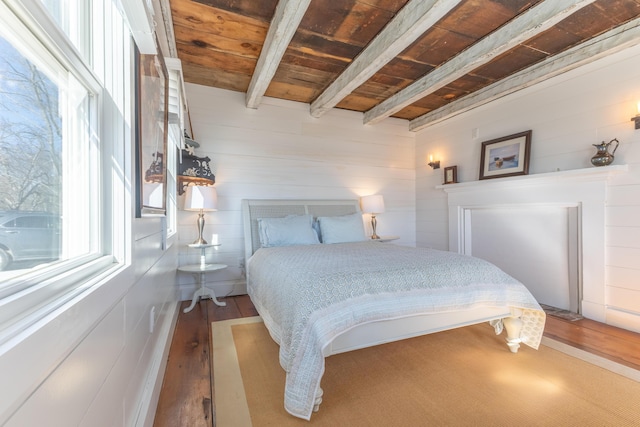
{"x": 583, "y": 189}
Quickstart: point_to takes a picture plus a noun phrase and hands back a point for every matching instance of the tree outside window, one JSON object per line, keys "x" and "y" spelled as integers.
{"x": 30, "y": 150}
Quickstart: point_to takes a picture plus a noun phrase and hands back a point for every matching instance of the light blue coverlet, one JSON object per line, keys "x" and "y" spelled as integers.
{"x": 308, "y": 295}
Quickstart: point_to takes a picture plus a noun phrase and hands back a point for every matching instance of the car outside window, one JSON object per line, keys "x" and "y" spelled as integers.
{"x": 28, "y": 239}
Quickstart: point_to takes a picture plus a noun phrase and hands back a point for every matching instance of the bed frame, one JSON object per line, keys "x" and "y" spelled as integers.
{"x": 384, "y": 331}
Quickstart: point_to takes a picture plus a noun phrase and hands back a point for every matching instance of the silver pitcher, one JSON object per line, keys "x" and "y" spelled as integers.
{"x": 603, "y": 157}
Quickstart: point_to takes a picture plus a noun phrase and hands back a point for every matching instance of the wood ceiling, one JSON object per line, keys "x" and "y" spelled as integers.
{"x": 420, "y": 60}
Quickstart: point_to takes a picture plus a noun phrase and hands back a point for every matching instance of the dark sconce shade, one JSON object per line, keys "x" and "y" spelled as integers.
{"x": 193, "y": 170}
{"x": 156, "y": 169}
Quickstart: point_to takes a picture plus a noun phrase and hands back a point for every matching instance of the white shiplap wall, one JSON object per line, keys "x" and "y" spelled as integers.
{"x": 567, "y": 114}
{"x": 95, "y": 361}
{"x": 280, "y": 151}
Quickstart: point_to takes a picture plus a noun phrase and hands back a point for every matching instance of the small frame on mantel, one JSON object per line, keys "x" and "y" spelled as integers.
{"x": 451, "y": 175}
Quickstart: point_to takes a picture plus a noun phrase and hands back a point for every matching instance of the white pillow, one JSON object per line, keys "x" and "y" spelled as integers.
{"x": 287, "y": 231}
{"x": 342, "y": 229}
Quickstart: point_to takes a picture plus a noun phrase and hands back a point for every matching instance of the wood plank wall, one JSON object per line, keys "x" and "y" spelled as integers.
{"x": 280, "y": 151}
{"x": 566, "y": 114}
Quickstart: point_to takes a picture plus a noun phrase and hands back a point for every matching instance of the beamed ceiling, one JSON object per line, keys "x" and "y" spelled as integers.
{"x": 419, "y": 60}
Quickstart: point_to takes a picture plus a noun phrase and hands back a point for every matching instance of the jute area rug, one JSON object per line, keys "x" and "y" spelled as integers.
{"x": 462, "y": 377}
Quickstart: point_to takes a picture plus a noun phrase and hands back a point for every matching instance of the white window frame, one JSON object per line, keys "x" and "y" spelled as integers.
{"x": 29, "y": 298}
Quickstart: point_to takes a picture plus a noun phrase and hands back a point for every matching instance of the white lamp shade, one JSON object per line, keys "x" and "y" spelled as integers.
{"x": 199, "y": 197}
{"x": 373, "y": 204}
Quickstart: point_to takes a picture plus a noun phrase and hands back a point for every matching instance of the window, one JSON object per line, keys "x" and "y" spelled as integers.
{"x": 70, "y": 15}
{"x": 53, "y": 179}
{"x": 44, "y": 113}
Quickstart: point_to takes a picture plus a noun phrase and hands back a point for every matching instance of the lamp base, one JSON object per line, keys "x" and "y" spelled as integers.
{"x": 374, "y": 223}
{"x": 200, "y": 240}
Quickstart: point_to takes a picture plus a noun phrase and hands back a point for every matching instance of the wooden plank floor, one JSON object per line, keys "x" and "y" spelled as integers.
{"x": 186, "y": 398}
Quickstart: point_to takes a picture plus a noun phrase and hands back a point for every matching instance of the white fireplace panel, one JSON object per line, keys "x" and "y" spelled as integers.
{"x": 534, "y": 244}
{"x": 582, "y": 193}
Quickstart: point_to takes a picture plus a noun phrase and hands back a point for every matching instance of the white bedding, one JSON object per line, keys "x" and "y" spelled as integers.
{"x": 308, "y": 295}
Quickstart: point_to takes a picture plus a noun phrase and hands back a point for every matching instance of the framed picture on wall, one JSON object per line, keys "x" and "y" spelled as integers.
{"x": 450, "y": 174}
{"x": 152, "y": 83}
{"x": 506, "y": 156}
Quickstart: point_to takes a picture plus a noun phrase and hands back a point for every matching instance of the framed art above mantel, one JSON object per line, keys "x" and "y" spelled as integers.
{"x": 506, "y": 156}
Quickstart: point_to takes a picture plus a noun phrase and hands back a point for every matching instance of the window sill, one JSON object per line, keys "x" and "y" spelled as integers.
{"x": 36, "y": 296}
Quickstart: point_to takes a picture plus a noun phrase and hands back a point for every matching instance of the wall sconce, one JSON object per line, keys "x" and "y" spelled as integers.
{"x": 434, "y": 165}
{"x": 193, "y": 170}
{"x": 636, "y": 119}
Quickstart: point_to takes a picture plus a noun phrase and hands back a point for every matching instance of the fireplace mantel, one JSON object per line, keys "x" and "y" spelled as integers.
{"x": 594, "y": 173}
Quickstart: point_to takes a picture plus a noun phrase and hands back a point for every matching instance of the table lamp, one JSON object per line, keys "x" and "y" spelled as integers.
{"x": 373, "y": 205}
{"x": 200, "y": 198}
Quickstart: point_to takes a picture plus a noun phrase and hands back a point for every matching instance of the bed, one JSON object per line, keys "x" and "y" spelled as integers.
{"x": 322, "y": 287}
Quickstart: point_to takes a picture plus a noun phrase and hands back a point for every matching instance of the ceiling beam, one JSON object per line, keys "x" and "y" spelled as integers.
{"x": 612, "y": 41}
{"x": 411, "y": 22}
{"x": 532, "y": 22}
{"x": 284, "y": 24}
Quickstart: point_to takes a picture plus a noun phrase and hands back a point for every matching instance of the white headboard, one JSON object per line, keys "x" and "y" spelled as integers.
{"x": 254, "y": 209}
